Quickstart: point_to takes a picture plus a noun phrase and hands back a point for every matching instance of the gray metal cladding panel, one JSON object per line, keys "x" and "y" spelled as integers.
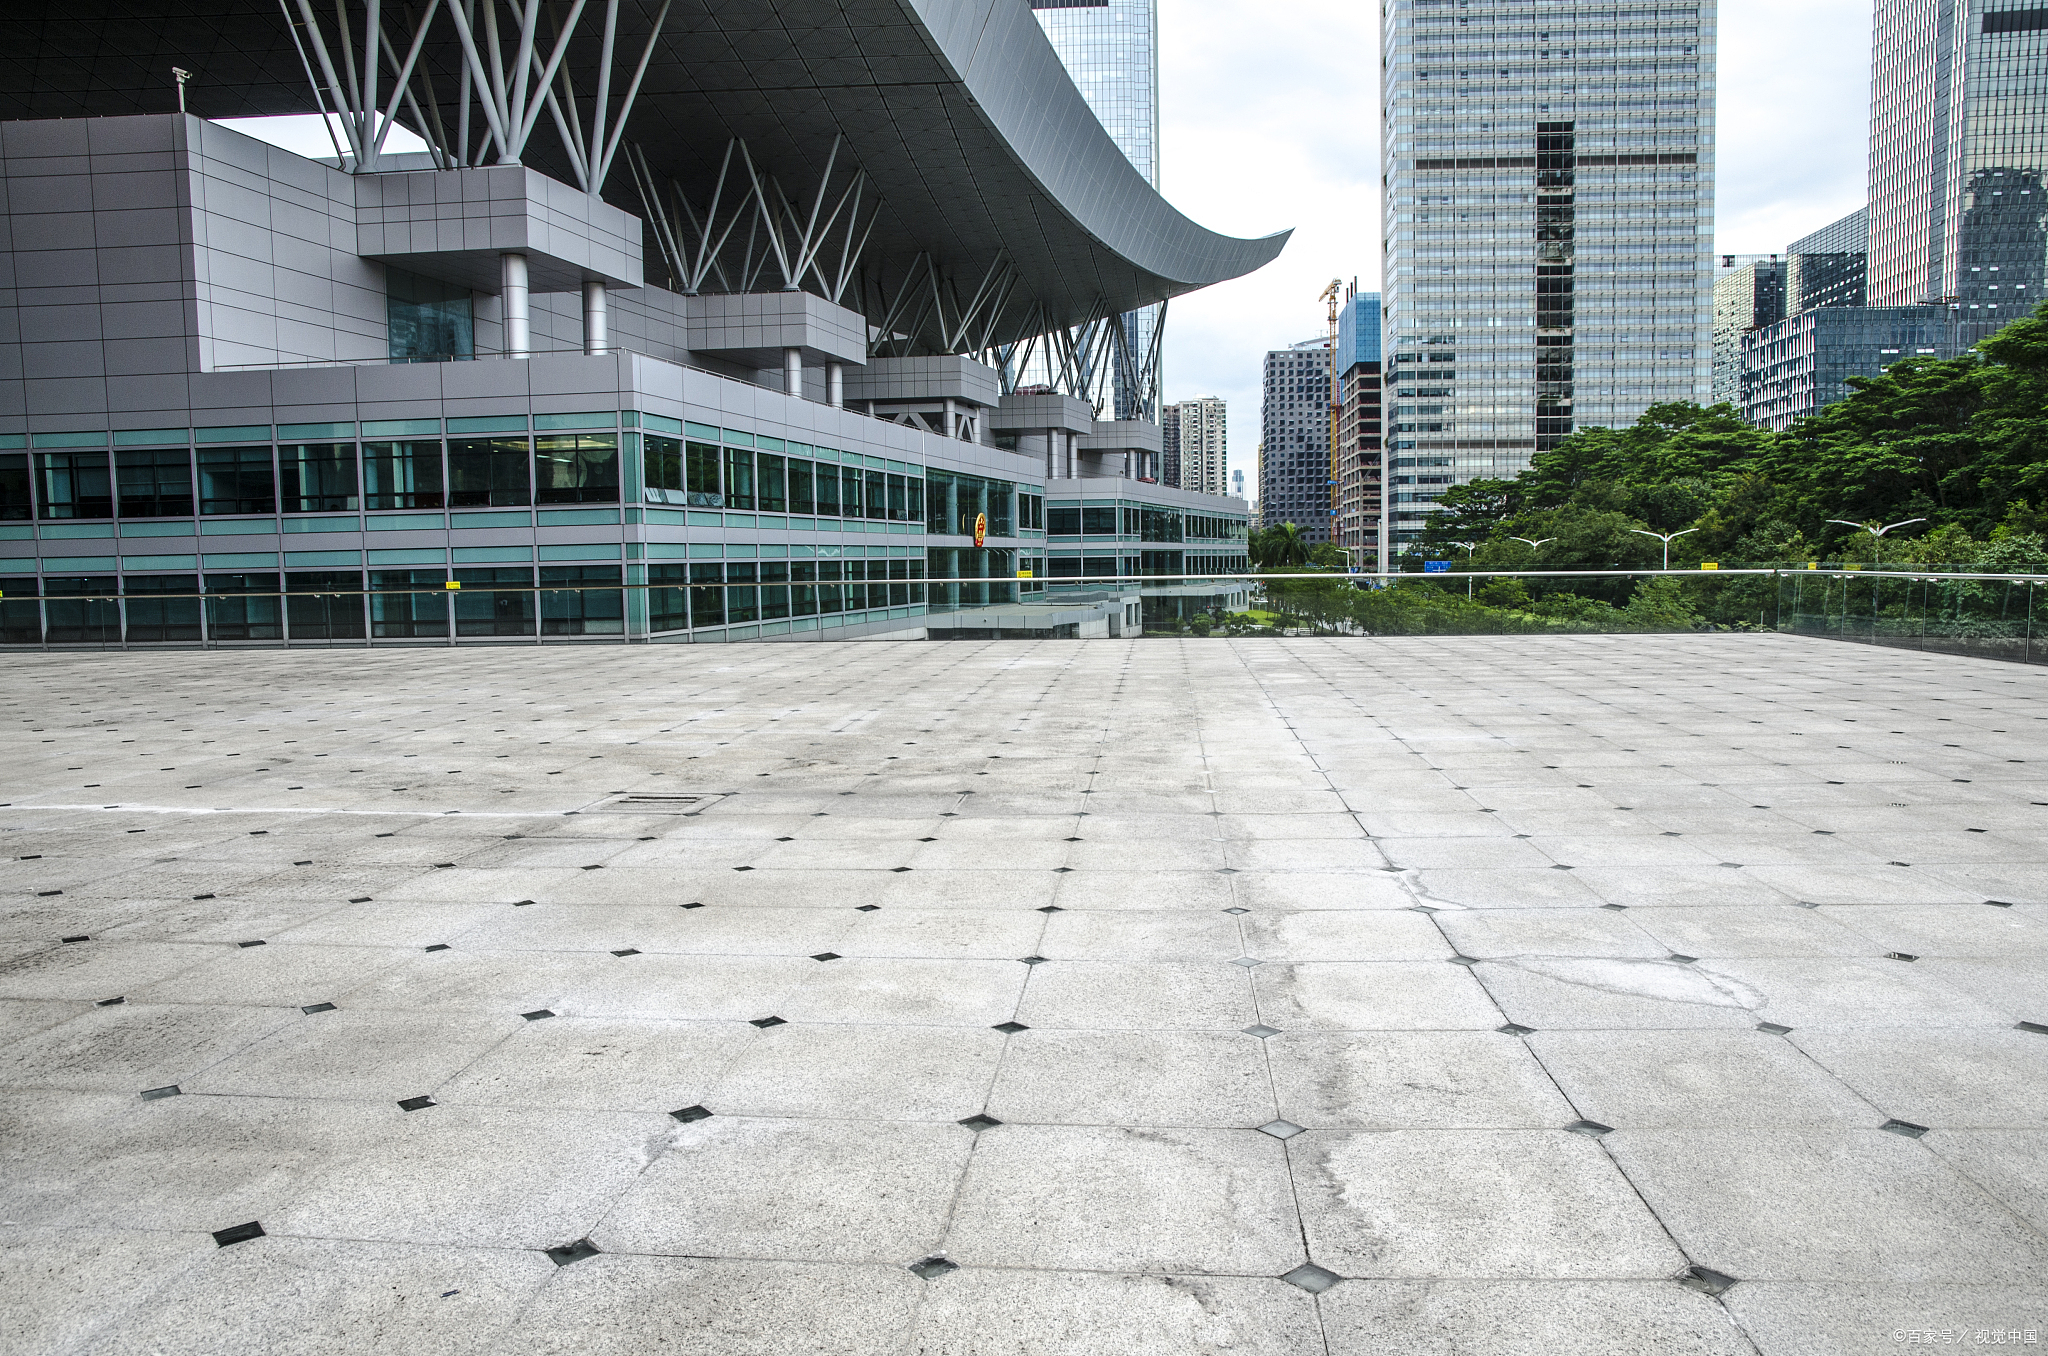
{"x": 974, "y": 138}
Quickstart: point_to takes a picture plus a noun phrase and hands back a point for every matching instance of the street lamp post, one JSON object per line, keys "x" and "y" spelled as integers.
{"x": 1534, "y": 545}
{"x": 1876, "y": 536}
{"x": 1666, "y": 537}
{"x": 1469, "y": 547}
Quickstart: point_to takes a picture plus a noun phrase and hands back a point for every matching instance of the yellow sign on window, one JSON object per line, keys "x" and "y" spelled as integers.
{"x": 1710, "y": 564}
{"x": 1023, "y": 574}
{"x": 454, "y": 583}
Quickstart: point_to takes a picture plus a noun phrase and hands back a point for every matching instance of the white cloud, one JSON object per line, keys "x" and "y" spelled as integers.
{"x": 1270, "y": 119}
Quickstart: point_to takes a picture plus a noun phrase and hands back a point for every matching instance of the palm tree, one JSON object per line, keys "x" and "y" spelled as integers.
{"x": 1285, "y": 546}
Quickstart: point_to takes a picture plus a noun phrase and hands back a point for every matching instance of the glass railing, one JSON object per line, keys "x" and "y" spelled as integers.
{"x": 1998, "y": 616}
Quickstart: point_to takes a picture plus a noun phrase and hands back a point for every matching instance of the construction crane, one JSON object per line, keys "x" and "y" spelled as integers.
{"x": 1331, "y": 294}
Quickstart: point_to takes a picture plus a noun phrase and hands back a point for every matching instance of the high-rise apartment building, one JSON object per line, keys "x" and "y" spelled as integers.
{"x": 1201, "y": 442}
{"x": 1111, "y": 49}
{"x": 1169, "y": 445}
{"x": 1547, "y": 222}
{"x": 1958, "y": 145}
{"x": 1749, "y": 293}
{"x": 1294, "y": 449}
{"x": 1359, "y": 464}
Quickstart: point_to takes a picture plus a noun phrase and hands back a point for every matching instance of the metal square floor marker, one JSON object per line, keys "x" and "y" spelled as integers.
{"x": 420, "y": 1103}
{"x": 2038, "y": 1028}
{"x": 80, "y": 938}
{"x": 1618, "y": 908}
{"x": 931, "y": 1268}
{"x": 627, "y": 951}
{"x": 979, "y": 1123}
{"x": 538, "y": 1014}
{"x": 1593, "y": 1128}
{"x": 858, "y": 908}
{"x": 1906, "y": 1128}
{"x": 1032, "y": 960}
{"x": 1261, "y": 1030}
{"x": 1247, "y": 961}
{"x": 692, "y": 1113}
{"x": 1707, "y": 1281}
{"x": 765, "y": 1022}
{"x": 572, "y": 1252}
{"x": 1009, "y": 1028}
{"x": 1900, "y": 956}
{"x": 1464, "y": 960}
{"x": 1682, "y": 958}
{"x": 110, "y": 1002}
{"x": 1773, "y": 1029}
{"x": 157, "y": 1094}
{"x": 1282, "y": 1129}
{"x": 1233, "y": 910}
{"x": 1312, "y": 1278}
{"x": 1051, "y": 908}
{"x": 1515, "y": 1029}
{"x": 237, "y": 1233}
{"x": 246, "y": 945}
{"x": 359, "y": 899}
{"x": 317, "y": 1007}
{"x": 826, "y": 956}
{"x": 438, "y": 946}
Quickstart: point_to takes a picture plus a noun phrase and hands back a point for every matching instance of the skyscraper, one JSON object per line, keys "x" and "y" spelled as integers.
{"x": 1294, "y": 450}
{"x": 1958, "y": 145}
{"x": 1749, "y": 293}
{"x": 1829, "y": 267}
{"x": 1111, "y": 49}
{"x": 1547, "y": 223}
{"x": 1360, "y": 462}
{"x": 1201, "y": 441}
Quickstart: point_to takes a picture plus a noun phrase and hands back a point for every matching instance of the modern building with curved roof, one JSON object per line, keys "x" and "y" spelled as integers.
{"x": 662, "y": 263}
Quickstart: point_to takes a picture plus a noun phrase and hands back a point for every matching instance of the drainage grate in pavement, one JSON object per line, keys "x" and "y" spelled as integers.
{"x": 157, "y": 1094}
{"x": 1312, "y": 1278}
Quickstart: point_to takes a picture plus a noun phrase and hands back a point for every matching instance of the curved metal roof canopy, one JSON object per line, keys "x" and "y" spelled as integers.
{"x": 976, "y": 145}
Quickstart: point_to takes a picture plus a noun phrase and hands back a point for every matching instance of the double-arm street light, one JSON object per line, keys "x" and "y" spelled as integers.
{"x": 1536, "y": 545}
{"x": 1876, "y": 536}
{"x": 1666, "y": 537}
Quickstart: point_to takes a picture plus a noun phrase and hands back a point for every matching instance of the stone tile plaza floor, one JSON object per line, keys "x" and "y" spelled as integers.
{"x": 1530, "y": 995}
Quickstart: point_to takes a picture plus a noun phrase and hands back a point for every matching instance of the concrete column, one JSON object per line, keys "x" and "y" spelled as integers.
{"x": 512, "y": 292}
{"x": 597, "y": 338}
{"x": 1052, "y": 454}
{"x": 793, "y": 371}
{"x": 835, "y": 385}
{"x": 952, "y": 424}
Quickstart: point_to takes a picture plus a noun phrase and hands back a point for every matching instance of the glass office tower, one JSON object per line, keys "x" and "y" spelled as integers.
{"x": 1112, "y": 52}
{"x": 1548, "y": 224}
{"x": 1958, "y": 143}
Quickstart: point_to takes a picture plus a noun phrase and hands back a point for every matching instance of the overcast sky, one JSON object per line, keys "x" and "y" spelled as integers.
{"x": 1270, "y": 119}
